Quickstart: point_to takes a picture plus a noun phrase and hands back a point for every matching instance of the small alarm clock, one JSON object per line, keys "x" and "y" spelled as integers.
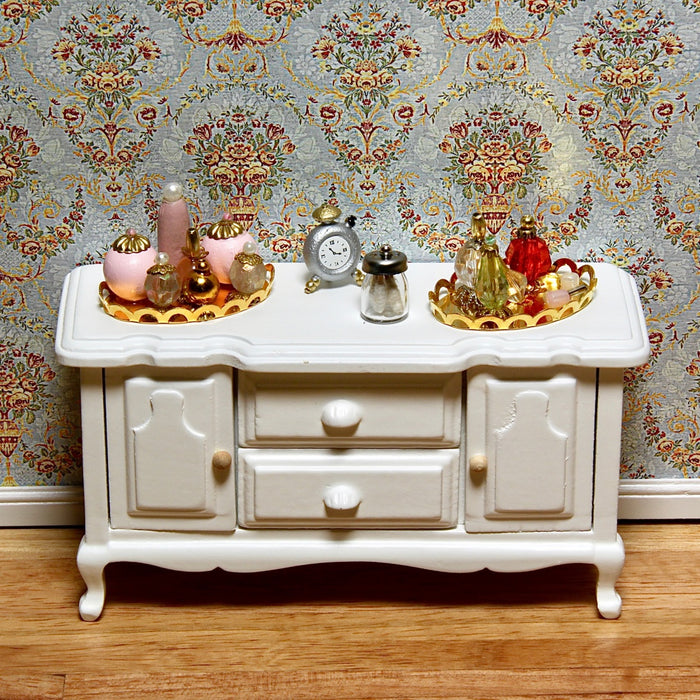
{"x": 332, "y": 249}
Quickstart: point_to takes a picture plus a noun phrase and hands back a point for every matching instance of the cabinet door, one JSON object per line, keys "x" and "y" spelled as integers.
{"x": 170, "y": 446}
{"x": 529, "y": 449}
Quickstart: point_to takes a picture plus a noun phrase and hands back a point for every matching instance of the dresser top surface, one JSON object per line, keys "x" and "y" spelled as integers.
{"x": 323, "y": 332}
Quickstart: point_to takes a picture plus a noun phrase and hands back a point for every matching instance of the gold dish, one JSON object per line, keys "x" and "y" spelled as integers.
{"x": 446, "y": 312}
{"x": 228, "y": 302}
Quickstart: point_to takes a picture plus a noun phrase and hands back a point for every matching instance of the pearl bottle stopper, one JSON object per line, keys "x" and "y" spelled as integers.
{"x": 172, "y": 192}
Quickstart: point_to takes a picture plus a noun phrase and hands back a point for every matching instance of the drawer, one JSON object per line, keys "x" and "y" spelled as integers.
{"x": 349, "y": 410}
{"x": 348, "y": 489}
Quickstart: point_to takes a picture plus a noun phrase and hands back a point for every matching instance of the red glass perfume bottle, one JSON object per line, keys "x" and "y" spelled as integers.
{"x": 527, "y": 252}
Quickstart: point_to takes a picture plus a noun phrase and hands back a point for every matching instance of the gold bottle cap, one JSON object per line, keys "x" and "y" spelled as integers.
{"x": 528, "y": 226}
{"x": 131, "y": 242}
{"x": 478, "y": 230}
{"x": 161, "y": 266}
{"x": 226, "y": 228}
{"x": 326, "y": 213}
{"x": 249, "y": 259}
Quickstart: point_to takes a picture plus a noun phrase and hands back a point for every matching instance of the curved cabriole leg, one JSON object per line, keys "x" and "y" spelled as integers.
{"x": 608, "y": 599}
{"x": 93, "y": 600}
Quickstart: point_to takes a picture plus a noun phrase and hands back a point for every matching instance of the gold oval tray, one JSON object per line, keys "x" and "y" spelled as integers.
{"x": 442, "y": 308}
{"x": 227, "y": 303}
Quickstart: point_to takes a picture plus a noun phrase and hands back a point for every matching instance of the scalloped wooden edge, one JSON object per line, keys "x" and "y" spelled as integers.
{"x": 142, "y": 313}
{"x": 518, "y": 321}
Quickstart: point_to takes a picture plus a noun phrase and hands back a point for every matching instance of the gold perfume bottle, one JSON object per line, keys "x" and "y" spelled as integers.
{"x": 200, "y": 285}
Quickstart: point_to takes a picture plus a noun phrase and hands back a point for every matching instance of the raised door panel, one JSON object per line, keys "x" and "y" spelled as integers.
{"x": 529, "y": 450}
{"x": 167, "y": 433}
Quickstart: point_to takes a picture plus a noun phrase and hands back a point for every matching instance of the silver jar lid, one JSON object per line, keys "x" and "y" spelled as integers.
{"x": 385, "y": 261}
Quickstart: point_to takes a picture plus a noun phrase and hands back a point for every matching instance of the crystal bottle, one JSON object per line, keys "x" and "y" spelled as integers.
{"x": 527, "y": 252}
{"x": 162, "y": 283}
{"x": 468, "y": 256}
{"x": 247, "y": 273}
{"x": 492, "y": 286}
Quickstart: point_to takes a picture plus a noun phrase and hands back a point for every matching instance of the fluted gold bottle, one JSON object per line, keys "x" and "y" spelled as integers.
{"x": 200, "y": 285}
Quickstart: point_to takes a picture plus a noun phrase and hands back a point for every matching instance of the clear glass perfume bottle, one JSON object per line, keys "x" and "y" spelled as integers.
{"x": 469, "y": 255}
{"x": 162, "y": 283}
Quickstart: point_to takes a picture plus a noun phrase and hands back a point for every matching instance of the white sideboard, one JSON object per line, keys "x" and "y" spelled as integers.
{"x": 296, "y": 433}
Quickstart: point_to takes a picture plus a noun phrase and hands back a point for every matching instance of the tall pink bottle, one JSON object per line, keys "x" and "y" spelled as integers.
{"x": 173, "y": 222}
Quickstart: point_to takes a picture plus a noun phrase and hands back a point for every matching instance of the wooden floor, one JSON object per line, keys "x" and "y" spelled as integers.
{"x": 351, "y": 630}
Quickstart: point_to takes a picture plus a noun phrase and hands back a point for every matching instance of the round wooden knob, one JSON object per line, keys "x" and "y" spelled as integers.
{"x": 478, "y": 464}
{"x": 221, "y": 461}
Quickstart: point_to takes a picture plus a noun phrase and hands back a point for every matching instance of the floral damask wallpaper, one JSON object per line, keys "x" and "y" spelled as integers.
{"x": 410, "y": 114}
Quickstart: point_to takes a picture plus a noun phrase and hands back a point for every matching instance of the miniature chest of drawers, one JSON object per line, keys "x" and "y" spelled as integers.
{"x": 297, "y": 433}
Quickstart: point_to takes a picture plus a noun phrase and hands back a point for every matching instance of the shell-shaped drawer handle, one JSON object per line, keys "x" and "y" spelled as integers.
{"x": 341, "y": 414}
{"x": 478, "y": 464}
{"x": 221, "y": 460}
{"x": 342, "y": 498}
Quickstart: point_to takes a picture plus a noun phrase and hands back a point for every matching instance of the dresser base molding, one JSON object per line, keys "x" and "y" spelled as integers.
{"x": 41, "y": 506}
{"x": 659, "y": 499}
{"x": 454, "y": 551}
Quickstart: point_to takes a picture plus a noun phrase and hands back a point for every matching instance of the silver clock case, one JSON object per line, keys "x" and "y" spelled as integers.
{"x": 312, "y": 246}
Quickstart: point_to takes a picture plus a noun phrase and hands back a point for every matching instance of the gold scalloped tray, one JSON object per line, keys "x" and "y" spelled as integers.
{"x": 228, "y": 302}
{"x": 442, "y": 308}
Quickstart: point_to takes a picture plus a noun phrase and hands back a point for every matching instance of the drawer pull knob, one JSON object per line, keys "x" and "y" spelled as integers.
{"x": 478, "y": 464}
{"x": 342, "y": 498}
{"x": 341, "y": 415}
{"x": 221, "y": 461}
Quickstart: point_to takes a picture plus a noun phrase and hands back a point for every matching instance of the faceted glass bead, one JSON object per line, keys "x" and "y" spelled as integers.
{"x": 517, "y": 285}
{"x": 492, "y": 286}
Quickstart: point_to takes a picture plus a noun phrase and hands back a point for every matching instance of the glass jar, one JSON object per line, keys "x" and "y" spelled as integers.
{"x": 384, "y": 288}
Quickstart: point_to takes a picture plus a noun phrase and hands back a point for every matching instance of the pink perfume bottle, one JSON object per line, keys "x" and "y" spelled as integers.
{"x": 126, "y": 264}
{"x": 173, "y": 222}
{"x": 224, "y": 240}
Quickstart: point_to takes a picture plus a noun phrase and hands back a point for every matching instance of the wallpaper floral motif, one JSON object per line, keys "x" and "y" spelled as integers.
{"x": 410, "y": 114}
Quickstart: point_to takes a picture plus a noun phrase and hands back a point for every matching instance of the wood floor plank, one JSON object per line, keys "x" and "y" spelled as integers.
{"x": 313, "y": 685}
{"x": 358, "y": 629}
{"x": 36, "y": 687}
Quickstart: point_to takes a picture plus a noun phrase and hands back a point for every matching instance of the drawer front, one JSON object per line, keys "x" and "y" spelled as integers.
{"x": 349, "y": 410}
{"x": 348, "y": 489}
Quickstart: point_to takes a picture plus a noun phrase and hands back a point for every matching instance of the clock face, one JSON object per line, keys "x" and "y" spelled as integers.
{"x": 334, "y": 253}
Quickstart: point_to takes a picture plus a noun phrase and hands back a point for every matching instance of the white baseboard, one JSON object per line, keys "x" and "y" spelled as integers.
{"x": 41, "y": 506}
{"x": 62, "y": 506}
{"x": 659, "y": 499}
